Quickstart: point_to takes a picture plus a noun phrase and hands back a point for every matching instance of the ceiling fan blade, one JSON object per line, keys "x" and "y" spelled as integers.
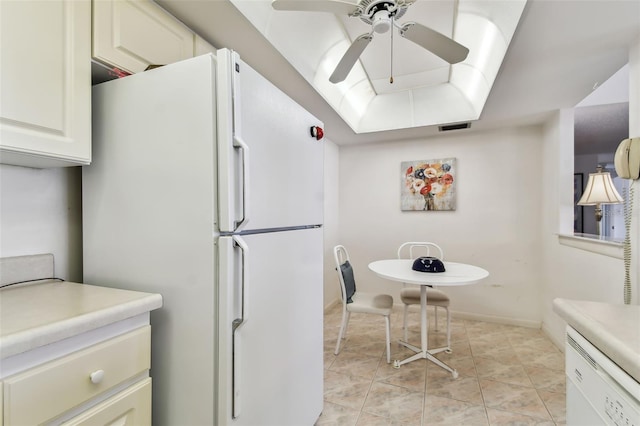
{"x": 350, "y": 57}
{"x": 332, "y": 6}
{"x": 435, "y": 42}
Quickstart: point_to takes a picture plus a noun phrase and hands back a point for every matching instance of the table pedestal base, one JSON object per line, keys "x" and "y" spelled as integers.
{"x": 428, "y": 355}
{"x": 423, "y": 352}
{"x": 401, "y": 270}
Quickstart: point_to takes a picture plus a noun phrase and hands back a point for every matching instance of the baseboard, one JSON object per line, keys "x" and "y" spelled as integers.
{"x": 474, "y": 317}
{"x": 560, "y": 344}
{"x": 496, "y": 319}
{"x": 332, "y": 304}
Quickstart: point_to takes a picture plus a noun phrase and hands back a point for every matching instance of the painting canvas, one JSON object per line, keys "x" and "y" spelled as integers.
{"x": 428, "y": 185}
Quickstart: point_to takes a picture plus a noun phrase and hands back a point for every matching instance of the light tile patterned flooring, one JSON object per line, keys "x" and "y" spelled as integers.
{"x": 508, "y": 375}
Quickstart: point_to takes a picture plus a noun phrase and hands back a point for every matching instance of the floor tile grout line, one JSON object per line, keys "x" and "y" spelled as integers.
{"x": 373, "y": 379}
{"x": 475, "y": 367}
{"x": 520, "y": 363}
{"x": 512, "y": 339}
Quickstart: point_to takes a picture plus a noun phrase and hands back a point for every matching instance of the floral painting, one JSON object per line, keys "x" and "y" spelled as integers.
{"x": 428, "y": 185}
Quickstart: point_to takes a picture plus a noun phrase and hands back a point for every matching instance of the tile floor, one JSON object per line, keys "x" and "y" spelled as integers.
{"x": 508, "y": 375}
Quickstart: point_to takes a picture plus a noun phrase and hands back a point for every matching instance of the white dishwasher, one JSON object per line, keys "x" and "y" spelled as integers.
{"x": 598, "y": 391}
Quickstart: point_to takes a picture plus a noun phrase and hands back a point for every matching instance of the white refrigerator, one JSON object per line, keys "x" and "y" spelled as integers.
{"x": 207, "y": 186}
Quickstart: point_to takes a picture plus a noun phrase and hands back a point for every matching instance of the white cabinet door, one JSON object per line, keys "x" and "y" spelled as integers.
{"x": 133, "y": 34}
{"x": 45, "y": 76}
{"x": 202, "y": 47}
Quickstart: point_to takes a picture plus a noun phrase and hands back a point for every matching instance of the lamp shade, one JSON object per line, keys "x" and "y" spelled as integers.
{"x": 600, "y": 190}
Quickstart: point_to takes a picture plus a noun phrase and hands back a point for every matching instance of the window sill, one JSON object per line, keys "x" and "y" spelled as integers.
{"x": 593, "y": 243}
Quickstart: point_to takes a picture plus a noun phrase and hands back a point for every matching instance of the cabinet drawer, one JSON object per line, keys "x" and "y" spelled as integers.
{"x": 45, "y": 392}
{"x": 131, "y": 407}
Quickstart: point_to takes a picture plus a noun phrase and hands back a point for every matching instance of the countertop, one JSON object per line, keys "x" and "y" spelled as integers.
{"x": 37, "y": 314}
{"x": 614, "y": 329}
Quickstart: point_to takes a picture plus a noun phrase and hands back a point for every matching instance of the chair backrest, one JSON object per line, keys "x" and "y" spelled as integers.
{"x": 345, "y": 273}
{"x": 415, "y": 249}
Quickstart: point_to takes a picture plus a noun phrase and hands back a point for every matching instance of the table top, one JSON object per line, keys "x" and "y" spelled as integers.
{"x": 455, "y": 273}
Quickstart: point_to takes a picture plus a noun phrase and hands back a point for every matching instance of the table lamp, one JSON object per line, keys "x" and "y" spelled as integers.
{"x": 599, "y": 190}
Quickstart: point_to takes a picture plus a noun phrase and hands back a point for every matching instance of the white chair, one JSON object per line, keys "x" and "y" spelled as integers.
{"x": 410, "y": 295}
{"x": 352, "y": 301}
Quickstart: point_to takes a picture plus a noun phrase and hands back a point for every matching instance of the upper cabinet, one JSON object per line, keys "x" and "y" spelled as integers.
{"x": 46, "y": 67}
{"x": 45, "y": 76}
{"x": 133, "y": 34}
{"x": 202, "y": 46}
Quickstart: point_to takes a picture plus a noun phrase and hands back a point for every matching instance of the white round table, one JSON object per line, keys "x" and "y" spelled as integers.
{"x": 456, "y": 274}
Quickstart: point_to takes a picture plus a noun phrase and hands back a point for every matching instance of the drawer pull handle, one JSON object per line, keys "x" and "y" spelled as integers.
{"x": 97, "y": 376}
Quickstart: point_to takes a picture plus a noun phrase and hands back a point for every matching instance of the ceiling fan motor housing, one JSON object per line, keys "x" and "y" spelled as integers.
{"x": 378, "y": 13}
{"x": 381, "y": 22}
{"x": 381, "y": 15}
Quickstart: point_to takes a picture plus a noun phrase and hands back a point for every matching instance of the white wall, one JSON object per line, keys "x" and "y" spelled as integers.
{"x": 331, "y": 220}
{"x": 570, "y": 272}
{"x": 515, "y": 187}
{"x": 634, "y": 131}
{"x": 496, "y": 224}
{"x": 40, "y": 212}
{"x": 614, "y": 90}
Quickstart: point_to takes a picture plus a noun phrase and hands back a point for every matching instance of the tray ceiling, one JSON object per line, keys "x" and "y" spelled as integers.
{"x": 426, "y": 90}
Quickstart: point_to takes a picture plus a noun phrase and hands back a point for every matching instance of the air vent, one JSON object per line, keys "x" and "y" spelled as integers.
{"x": 575, "y": 345}
{"x": 458, "y": 126}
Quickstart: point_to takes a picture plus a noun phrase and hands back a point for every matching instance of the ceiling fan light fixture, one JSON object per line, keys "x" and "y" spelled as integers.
{"x": 381, "y": 22}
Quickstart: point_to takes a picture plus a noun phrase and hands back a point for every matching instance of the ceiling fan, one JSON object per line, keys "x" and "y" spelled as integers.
{"x": 381, "y": 15}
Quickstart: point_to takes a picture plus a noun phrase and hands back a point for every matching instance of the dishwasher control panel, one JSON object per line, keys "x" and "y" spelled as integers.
{"x": 598, "y": 391}
{"x": 620, "y": 412}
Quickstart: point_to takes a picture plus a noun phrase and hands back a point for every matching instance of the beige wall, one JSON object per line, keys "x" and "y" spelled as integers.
{"x": 573, "y": 273}
{"x": 515, "y": 195}
{"x": 331, "y": 220}
{"x": 41, "y": 212}
{"x": 634, "y": 131}
{"x": 496, "y": 225}
{"x": 568, "y": 272}
{"x": 515, "y": 198}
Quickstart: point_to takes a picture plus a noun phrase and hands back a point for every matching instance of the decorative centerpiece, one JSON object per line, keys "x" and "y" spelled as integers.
{"x": 428, "y": 264}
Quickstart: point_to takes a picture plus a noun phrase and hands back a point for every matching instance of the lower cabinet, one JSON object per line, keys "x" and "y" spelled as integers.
{"x": 106, "y": 383}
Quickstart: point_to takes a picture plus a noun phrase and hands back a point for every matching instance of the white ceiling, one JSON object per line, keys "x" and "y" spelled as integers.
{"x": 426, "y": 89}
{"x": 409, "y": 59}
{"x": 560, "y": 51}
{"x": 600, "y": 128}
{"x": 601, "y": 120}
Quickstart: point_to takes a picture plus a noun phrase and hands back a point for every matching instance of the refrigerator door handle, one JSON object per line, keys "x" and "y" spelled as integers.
{"x": 239, "y": 242}
{"x": 235, "y": 379}
{"x": 239, "y": 143}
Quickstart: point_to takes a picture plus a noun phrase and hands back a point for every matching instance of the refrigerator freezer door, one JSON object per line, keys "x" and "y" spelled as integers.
{"x": 270, "y": 167}
{"x": 271, "y": 356}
